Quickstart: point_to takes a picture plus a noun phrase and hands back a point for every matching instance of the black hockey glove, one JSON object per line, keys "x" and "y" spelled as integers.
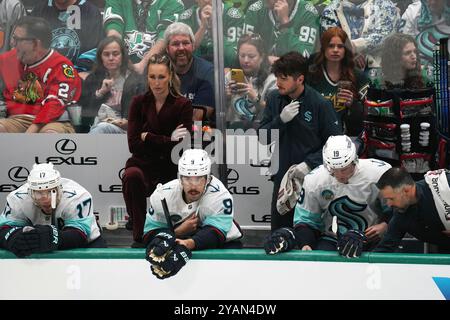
{"x": 280, "y": 240}
{"x": 44, "y": 238}
{"x": 174, "y": 261}
{"x": 158, "y": 248}
{"x": 351, "y": 243}
{"x": 17, "y": 244}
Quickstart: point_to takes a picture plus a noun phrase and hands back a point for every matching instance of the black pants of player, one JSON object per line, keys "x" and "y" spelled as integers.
{"x": 276, "y": 219}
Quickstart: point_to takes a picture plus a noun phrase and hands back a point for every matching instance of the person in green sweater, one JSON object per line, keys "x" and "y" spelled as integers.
{"x": 198, "y": 17}
{"x": 285, "y": 25}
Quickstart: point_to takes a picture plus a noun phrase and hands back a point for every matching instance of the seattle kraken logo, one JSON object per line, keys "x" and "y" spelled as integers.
{"x": 348, "y": 213}
{"x": 308, "y": 116}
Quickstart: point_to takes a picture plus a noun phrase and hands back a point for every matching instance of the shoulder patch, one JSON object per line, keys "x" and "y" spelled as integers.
{"x": 235, "y": 13}
{"x": 256, "y": 6}
{"x": 68, "y": 71}
{"x": 186, "y": 14}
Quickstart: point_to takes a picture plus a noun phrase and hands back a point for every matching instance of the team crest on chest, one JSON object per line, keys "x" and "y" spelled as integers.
{"x": 327, "y": 194}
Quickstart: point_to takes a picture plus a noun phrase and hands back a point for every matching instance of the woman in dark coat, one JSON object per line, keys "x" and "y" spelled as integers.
{"x": 157, "y": 121}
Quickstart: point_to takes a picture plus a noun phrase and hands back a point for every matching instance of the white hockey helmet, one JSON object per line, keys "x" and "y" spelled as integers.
{"x": 194, "y": 163}
{"x": 339, "y": 152}
{"x": 44, "y": 177}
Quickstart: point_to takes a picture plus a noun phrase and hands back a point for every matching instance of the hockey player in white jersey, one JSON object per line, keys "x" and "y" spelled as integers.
{"x": 201, "y": 210}
{"x": 48, "y": 213}
{"x": 342, "y": 189}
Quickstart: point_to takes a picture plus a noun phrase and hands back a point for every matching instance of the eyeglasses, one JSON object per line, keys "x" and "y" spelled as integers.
{"x": 16, "y": 39}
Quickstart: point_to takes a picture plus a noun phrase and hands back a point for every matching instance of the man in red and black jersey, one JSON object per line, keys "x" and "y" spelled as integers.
{"x": 39, "y": 83}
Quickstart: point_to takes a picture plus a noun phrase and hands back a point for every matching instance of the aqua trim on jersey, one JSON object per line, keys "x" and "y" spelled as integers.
{"x": 83, "y": 224}
{"x": 12, "y": 223}
{"x": 151, "y": 224}
{"x": 223, "y": 222}
{"x": 310, "y": 218}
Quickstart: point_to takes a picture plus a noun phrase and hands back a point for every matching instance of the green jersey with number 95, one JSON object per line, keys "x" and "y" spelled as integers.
{"x": 300, "y": 34}
{"x": 233, "y": 22}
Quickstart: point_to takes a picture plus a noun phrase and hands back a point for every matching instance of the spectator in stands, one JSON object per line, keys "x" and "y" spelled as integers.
{"x": 246, "y": 100}
{"x": 428, "y": 21}
{"x": 195, "y": 73}
{"x": 76, "y": 29}
{"x": 141, "y": 24}
{"x": 10, "y": 12}
{"x": 157, "y": 121}
{"x": 401, "y": 65}
{"x": 366, "y": 22}
{"x": 422, "y": 14}
{"x": 39, "y": 82}
{"x": 285, "y": 25}
{"x": 200, "y": 211}
{"x": 198, "y": 17}
{"x": 333, "y": 64}
{"x": 103, "y": 95}
{"x": 343, "y": 188}
{"x": 420, "y": 208}
{"x": 304, "y": 119}
{"x": 48, "y": 213}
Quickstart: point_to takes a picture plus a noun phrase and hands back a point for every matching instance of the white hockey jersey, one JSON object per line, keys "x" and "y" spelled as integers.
{"x": 75, "y": 209}
{"x": 215, "y": 208}
{"x": 356, "y": 204}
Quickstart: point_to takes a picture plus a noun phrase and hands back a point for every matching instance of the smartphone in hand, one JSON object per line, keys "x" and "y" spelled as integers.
{"x": 237, "y": 75}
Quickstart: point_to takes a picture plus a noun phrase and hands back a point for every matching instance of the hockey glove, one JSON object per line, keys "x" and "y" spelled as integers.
{"x": 16, "y": 243}
{"x": 351, "y": 243}
{"x": 280, "y": 240}
{"x": 42, "y": 238}
{"x": 174, "y": 261}
{"x": 159, "y": 247}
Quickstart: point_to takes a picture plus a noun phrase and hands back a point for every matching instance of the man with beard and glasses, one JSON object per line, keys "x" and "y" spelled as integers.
{"x": 419, "y": 208}
{"x": 39, "y": 83}
{"x": 304, "y": 119}
{"x": 196, "y": 74}
{"x": 200, "y": 211}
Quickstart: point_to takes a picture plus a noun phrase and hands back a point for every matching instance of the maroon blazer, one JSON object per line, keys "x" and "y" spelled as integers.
{"x": 153, "y": 154}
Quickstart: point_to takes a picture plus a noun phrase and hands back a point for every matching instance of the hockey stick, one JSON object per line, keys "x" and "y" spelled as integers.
{"x": 165, "y": 208}
{"x": 167, "y": 214}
